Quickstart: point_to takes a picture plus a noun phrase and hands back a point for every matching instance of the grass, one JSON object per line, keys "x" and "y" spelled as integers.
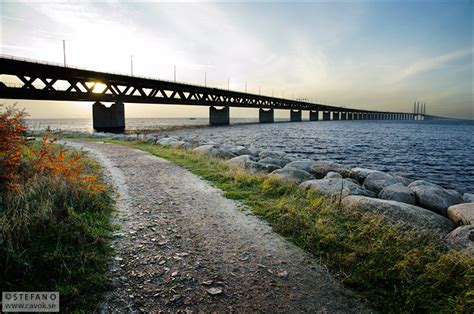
{"x": 54, "y": 232}
{"x": 394, "y": 269}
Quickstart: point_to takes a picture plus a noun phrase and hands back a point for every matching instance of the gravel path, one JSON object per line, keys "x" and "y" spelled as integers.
{"x": 183, "y": 246}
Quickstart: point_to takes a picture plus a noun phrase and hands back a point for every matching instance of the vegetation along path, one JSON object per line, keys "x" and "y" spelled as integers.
{"x": 182, "y": 245}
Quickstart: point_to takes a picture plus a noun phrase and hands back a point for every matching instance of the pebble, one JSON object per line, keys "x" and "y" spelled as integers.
{"x": 214, "y": 291}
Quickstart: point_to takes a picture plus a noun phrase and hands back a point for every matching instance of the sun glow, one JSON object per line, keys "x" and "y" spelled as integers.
{"x": 98, "y": 88}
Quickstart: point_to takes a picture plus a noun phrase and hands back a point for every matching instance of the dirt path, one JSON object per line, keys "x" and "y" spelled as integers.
{"x": 183, "y": 246}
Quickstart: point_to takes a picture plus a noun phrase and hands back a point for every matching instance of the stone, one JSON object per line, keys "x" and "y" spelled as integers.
{"x": 409, "y": 216}
{"x": 204, "y": 149}
{"x": 321, "y": 168}
{"x": 270, "y": 153}
{"x": 462, "y": 239}
{"x": 376, "y": 181}
{"x": 240, "y": 150}
{"x": 360, "y": 174}
{"x": 241, "y": 160}
{"x": 462, "y": 214}
{"x": 214, "y": 291}
{"x": 468, "y": 197}
{"x": 220, "y": 153}
{"x": 258, "y": 167}
{"x": 333, "y": 175}
{"x": 398, "y": 192}
{"x": 295, "y": 175}
{"x": 434, "y": 197}
{"x": 302, "y": 164}
{"x": 280, "y": 162}
{"x": 404, "y": 180}
{"x": 168, "y": 141}
{"x": 335, "y": 187}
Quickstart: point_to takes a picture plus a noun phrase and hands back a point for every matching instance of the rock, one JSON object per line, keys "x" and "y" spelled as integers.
{"x": 203, "y": 149}
{"x": 241, "y": 160}
{"x": 295, "y": 175}
{"x": 168, "y": 141}
{"x": 302, "y": 164}
{"x": 376, "y": 181}
{"x": 468, "y": 197}
{"x": 240, "y": 150}
{"x": 333, "y": 175}
{"x": 335, "y": 187}
{"x": 321, "y": 168}
{"x": 187, "y": 145}
{"x": 214, "y": 291}
{"x": 360, "y": 174}
{"x": 258, "y": 167}
{"x": 405, "y": 214}
{"x": 462, "y": 214}
{"x": 434, "y": 197}
{"x": 280, "y": 162}
{"x": 220, "y": 153}
{"x": 398, "y": 192}
{"x": 271, "y": 153}
{"x": 462, "y": 239}
{"x": 254, "y": 152}
{"x": 404, "y": 180}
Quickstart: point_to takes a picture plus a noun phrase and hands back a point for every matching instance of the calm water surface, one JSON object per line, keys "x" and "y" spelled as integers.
{"x": 439, "y": 151}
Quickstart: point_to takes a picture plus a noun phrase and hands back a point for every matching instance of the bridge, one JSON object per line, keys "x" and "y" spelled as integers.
{"x": 42, "y": 81}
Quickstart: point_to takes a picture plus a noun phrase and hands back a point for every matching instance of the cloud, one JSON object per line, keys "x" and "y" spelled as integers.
{"x": 428, "y": 64}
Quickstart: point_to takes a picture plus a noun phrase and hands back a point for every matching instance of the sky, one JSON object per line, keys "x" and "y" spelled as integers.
{"x": 380, "y": 55}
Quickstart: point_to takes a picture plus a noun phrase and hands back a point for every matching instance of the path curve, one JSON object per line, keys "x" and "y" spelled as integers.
{"x": 183, "y": 246}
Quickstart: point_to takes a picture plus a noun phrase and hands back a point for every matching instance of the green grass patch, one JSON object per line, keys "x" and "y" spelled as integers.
{"x": 55, "y": 236}
{"x": 394, "y": 269}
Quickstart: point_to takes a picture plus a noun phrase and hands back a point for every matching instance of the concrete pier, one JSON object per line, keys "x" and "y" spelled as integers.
{"x": 335, "y": 116}
{"x": 326, "y": 116}
{"x": 265, "y": 116}
{"x": 295, "y": 115}
{"x": 219, "y": 116}
{"x": 313, "y": 115}
{"x": 110, "y": 119}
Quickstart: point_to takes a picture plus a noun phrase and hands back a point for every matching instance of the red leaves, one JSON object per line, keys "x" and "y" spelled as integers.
{"x": 12, "y": 129}
{"x": 49, "y": 160}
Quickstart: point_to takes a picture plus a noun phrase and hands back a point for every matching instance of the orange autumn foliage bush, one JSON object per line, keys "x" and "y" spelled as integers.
{"x": 12, "y": 131}
{"x": 48, "y": 159}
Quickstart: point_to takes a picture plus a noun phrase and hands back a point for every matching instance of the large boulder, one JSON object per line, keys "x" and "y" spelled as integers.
{"x": 295, "y": 175}
{"x": 280, "y": 162}
{"x": 398, "y": 192}
{"x": 302, "y": 164}
{"x": 271, "y": 153}
{"x": 333, "y": 175}
{"x": 376, "y": 181}
{"x": 468, "y": 197}
{"x": 434, "y": 197}
{"x": 404, "y": 180}
{"x": 254, "y": 167}
{"x": 204, "y": 149}
{"x": 321, "y": 168}
{"x": 406, "y": 215}
{"x": 241, "y": 160}
{"x": 335, "y": 187}
{"x": 221, "y": 153}
{"x": 462, "y": 214}
{"x": 462, "y": 239}
{"x": 240, "y": 151}
{"x": 360, "y": 174}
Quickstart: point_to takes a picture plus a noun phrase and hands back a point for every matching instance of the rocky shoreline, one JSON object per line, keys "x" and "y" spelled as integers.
{"x": 415, "y": 204}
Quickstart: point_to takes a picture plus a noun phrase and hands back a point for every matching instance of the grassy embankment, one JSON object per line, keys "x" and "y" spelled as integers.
{"x": 393, "y": 269}
{"x": 54, "y": 220}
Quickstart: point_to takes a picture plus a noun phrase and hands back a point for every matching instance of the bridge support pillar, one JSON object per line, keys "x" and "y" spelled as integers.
{"x": 110, "y": 119}
{"x": 326, "y": 116}
{"x": 344, "y": 116}
{"x": 219, "y": 116}
{"x": 295, "y": 115}
{"x": 350, "y": 116}
{"x": 335, "y": 115}
{"x": 313, "y": 115}
{"x": 265, "y": 116}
